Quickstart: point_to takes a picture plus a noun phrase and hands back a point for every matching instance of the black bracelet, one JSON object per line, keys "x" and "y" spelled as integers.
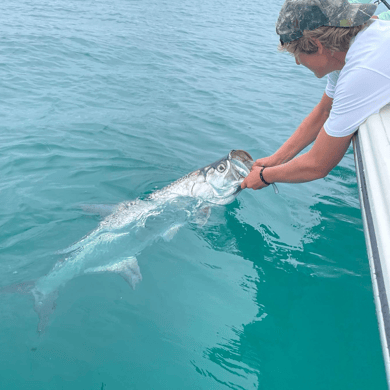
{"x": 262, "y": 178}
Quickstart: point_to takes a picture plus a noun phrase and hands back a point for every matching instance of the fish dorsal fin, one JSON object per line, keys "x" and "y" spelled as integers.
{"x": 100, "y": 209}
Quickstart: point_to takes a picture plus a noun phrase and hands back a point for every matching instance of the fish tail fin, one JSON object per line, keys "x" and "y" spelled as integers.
{"x": 44, "y": 303}
{"x": 127, "y": 268}
{"x": 44, "y": 307}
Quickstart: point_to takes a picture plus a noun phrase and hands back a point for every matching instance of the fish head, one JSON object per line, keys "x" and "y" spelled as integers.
{"x": 220, "y": 182}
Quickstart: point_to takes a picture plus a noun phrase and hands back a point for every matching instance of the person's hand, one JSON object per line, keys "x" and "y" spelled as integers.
{"x": 269, "y": 161}
{"x": 253, "y": 179}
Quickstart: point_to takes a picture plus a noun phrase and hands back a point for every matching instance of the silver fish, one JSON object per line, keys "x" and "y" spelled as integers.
{"x": 134, "y": 225}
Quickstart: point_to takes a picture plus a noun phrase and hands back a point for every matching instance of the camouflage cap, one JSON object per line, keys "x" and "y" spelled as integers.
{"x": 299, "y": 15}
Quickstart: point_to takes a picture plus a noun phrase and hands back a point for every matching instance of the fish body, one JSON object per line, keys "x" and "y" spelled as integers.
{"x": 133, "y": 225}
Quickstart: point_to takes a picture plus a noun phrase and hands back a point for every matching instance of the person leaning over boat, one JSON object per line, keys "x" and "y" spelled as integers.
{"x": 338, "y": 39}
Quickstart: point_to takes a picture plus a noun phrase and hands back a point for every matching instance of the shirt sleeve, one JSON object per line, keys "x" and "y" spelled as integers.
{"x": 331, "y": 85}
{"x": 361, "y": 93}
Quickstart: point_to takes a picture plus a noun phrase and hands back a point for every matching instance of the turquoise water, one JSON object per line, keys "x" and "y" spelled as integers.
{"x": 107, "y": 101}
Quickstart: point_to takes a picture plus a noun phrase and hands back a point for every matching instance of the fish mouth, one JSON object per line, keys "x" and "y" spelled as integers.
{"x": 241, "y": 162}
{"x": 237, "y": 191}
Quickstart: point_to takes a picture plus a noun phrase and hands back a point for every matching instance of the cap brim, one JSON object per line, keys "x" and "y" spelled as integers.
{"x": 361, "y": 14}
{"x": 366, "y": 11}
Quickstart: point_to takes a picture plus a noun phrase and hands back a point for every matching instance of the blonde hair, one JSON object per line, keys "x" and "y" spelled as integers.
{"x": 332, "y": 38}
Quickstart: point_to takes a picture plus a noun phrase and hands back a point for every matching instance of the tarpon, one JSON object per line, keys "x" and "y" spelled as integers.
{"x": 131, "y": 226}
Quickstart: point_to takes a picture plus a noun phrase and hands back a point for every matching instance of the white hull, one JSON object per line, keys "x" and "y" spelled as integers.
{"x": 372, "y": 159}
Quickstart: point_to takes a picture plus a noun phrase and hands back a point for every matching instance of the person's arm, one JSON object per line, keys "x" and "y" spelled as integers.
{"x": 303, "y": 136}
{"x": 325, "y": 154}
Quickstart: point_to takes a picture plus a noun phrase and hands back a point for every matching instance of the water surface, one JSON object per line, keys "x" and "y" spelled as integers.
{"x": 107, "y": 101}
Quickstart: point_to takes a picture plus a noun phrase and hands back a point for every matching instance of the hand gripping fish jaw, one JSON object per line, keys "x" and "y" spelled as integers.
{"x": 224, "y": 177}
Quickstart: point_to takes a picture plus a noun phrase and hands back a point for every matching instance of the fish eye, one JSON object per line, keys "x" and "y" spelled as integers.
{"x": 221, "y": 167}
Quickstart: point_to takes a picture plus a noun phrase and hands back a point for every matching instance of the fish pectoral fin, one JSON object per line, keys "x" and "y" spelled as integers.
{"x": 127, "y": 268}
{"x": 202, "y": 216}
{"x": 171, "y": 232}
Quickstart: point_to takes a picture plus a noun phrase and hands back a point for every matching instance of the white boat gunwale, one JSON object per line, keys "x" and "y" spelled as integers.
{"x": 372, "y": 160}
